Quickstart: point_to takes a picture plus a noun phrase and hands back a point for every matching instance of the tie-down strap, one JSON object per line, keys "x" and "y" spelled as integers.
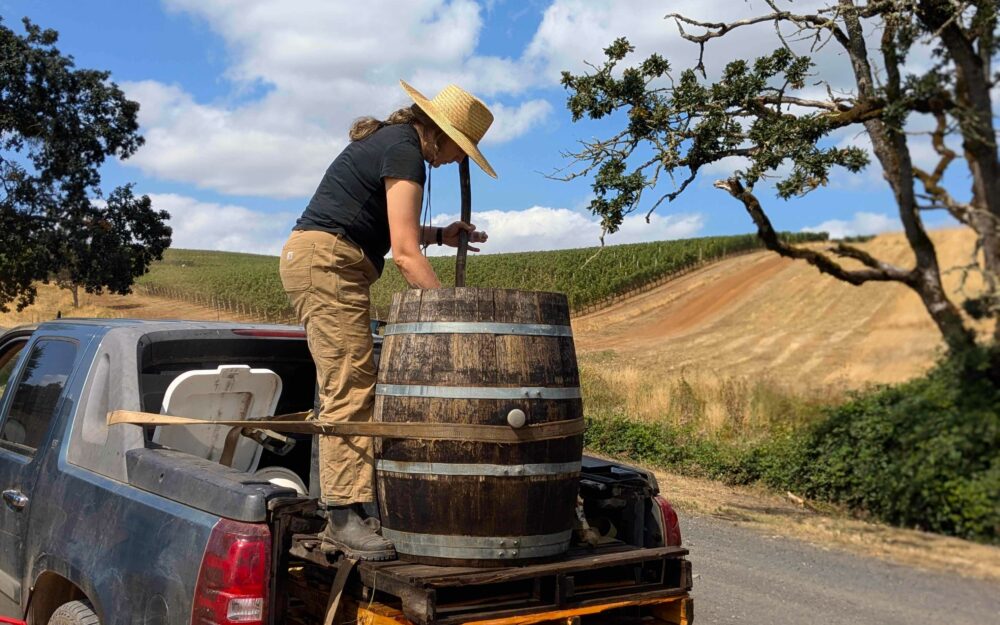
{"x": 296, "y": 423}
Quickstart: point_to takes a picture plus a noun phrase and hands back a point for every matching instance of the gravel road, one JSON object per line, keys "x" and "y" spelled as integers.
{"x": 742, "y": 576}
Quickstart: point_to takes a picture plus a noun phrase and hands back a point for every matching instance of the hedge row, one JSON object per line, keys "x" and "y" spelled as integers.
{"x": 924, "y": 454}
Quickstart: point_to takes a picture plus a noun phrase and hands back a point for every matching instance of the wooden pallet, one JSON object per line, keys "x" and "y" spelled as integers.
{"x": 612, "y": 573}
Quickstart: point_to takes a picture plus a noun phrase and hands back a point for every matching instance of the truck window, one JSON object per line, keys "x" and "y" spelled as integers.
{"x": 36, "y": 395}
{"x": 8, "y": 360}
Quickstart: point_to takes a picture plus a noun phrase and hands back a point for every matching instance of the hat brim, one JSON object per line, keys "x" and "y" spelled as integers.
{"x": 453, "y": 133}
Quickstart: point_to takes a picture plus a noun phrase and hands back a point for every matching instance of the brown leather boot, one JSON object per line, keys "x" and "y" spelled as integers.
{"x": 347, "y": 531}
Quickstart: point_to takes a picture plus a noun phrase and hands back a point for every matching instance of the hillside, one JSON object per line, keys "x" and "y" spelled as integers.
{"x": 249, "y": 284}
{"x": 749, "y": 318}
{"x": 761, "y": 316}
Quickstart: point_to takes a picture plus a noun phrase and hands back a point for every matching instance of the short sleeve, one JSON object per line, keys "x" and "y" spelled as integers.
{"x": 403, "y": 160}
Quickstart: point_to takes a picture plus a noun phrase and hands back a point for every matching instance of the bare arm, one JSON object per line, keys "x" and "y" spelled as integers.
{"x": 403, "y": 206}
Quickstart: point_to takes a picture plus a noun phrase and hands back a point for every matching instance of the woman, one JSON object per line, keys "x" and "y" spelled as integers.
{"x": 368, "y": 203}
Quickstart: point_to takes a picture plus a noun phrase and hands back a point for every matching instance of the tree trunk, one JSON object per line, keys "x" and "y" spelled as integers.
{"x": 973, "y": 75}
{"x": 892, "y": 150}
{"x": 75, "y": 289}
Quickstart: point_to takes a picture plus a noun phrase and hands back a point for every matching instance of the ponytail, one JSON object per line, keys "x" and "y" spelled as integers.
{"x": 364, "y": 127}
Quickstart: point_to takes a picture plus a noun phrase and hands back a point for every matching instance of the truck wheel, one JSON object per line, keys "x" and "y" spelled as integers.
{"x": 74, "y": 613}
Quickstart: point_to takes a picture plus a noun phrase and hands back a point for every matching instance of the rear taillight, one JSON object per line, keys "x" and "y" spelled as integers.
{"x": 669, "y": 524}
{"x": 233, "y": 580}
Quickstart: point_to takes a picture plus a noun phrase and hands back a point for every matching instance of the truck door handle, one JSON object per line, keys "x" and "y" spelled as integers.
{"x": 15, "y": 499}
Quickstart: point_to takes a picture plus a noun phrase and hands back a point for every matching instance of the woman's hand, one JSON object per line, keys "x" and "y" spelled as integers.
{"x": 451, "y": 232}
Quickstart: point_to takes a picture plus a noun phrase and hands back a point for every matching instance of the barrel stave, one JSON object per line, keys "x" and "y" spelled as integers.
{"x": 451, "y": 505}
{"x": 556, "y": 450}
{"x": 479, "y": 360}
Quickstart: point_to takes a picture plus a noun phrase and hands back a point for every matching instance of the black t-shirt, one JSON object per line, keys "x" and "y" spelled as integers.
{"x": 350, "y": 200}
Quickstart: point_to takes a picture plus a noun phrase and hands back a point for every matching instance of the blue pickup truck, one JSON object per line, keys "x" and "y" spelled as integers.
{"x": 100, "y": 524}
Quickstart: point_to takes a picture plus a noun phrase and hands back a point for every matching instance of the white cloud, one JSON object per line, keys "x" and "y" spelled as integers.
{"x": 660, "y": 228}
{"x": 228, "y": 227}
{"x": 209, "y": 226}
{"x": 512, "y": 122}
{"x": 320, "y": 65}
{"x": 861, "y": 223}
{"x": 574, "y": 32}
{"x": 244, "y": 151}
{"x": 546, "y": 228}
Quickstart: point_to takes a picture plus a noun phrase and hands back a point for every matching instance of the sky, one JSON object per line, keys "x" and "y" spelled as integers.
{"x": 244, "y": 104}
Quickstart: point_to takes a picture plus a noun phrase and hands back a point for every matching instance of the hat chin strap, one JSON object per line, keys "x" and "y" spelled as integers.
{"x": 426, "y": 219}
{"x": 437, "y": 143}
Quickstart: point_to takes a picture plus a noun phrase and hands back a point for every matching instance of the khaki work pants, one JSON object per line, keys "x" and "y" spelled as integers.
{"x": 327, "y": 278}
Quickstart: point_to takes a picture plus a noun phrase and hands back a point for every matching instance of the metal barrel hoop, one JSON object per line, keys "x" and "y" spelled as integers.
{"x": 478, "y": 327}
{"x": 480, "y": 547}
{"x": 484, "y": 470}
{"x": 478, "y": 392}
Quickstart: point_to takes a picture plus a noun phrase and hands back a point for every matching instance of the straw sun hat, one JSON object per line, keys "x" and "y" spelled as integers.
{"x": 461, "y": 115}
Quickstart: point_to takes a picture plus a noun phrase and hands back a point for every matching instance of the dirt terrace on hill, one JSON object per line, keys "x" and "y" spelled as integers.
{"x": 761, "y": 314}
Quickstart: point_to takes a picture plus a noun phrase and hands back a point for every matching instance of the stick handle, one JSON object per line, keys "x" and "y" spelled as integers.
{"x": 466, "y": 216}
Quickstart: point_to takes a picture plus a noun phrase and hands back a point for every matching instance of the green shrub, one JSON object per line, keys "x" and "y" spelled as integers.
{"x": 776, "y": 461}
{"x": 923, "y": 454}
{"x": 679, "y": 448}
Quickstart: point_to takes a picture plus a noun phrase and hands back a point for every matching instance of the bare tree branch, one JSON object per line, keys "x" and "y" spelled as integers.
{"x": 866, "y": 259}
{"x": 932, "y": 180}
{"x": 828, "y": 105}
{"x": 714, "y": 30}
{"x": 876, "y": 271}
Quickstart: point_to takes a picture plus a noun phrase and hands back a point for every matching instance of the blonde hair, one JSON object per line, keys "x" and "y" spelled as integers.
{"x": 427, "y": 130}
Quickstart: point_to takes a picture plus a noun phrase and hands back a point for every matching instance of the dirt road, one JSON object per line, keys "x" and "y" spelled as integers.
{"x": 52, "y": 300}
{"x": 745, "y": 576}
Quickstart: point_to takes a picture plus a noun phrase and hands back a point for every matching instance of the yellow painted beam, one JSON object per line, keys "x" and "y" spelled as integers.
{"x": 670, "y": 610}
{"x": 679, "y": 612}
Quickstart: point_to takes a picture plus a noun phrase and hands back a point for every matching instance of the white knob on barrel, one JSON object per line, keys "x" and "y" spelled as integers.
{"x": 516, "y": 418}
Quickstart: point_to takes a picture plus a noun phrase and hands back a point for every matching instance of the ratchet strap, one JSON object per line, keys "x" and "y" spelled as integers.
{"x": 337, "y": 590}
{"x": 296, "y": 423}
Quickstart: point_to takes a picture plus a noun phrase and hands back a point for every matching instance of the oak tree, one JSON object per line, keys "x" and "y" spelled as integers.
{"x": 766, "y": 111}
{"x": 58, "y": 125}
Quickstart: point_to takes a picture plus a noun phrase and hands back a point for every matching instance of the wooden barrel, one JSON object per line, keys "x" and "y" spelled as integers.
{"x": 487, "y": 357}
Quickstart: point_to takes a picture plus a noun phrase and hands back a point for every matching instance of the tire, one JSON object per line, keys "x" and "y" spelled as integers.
{"x": 75, "y": 613}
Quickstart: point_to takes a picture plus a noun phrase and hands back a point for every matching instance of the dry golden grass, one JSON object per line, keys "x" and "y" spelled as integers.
{"x": 758, "y": 342}
{"x": 52, "y": 300}
{"x": 713, "y": 404}
{"x": 826, "y": 526}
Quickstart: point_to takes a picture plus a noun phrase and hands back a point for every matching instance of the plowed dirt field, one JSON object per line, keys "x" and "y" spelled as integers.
{"x": 763, "y": 315}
